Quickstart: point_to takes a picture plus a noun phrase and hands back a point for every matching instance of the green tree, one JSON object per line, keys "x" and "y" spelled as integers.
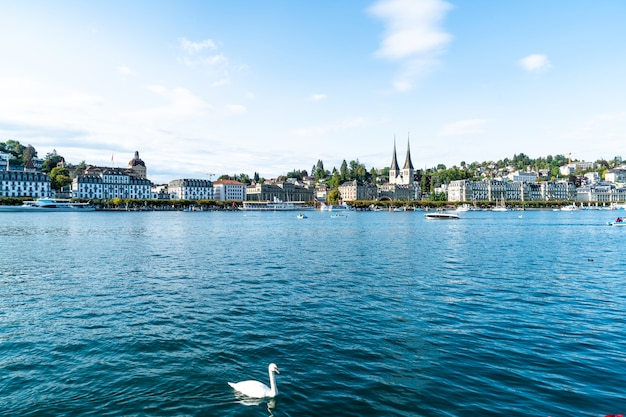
{"x": 51, "y": 160}
{"x": 334, "y": 180}
{"x": 29, "y": 154}
{"x": 344, "y": 174}
{"x": 333, "y": 196}
{"x": 59, "y": 177}
{"x": 15, "y": 149}
{"x": 297, "y": 174}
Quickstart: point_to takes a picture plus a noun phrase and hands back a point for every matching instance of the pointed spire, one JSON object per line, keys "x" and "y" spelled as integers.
{"x": 394, "y": 160}
{"x": 407, "y": 163}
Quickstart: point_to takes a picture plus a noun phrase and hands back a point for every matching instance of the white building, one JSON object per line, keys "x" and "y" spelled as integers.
{"x": 494, "y": 190}
{"x": 615, "y": 175}
{"x": 229, "y": 190}
{"x": 520, "y": 176}
{"x": 24, "y": 184}
{"x": 191, "y": 189}
{"x": 4, "y": 161}
{"x": 107, "y": 183}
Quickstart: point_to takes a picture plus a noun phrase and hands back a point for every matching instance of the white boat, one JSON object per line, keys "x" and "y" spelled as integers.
{"x": 301, "y": 216}
{"x": 500, "y": 207}
{"x": 50, "y": 204}
{"x": 463, "y": 208}
{"x": 275, "y": 205}
{"x": 441, "y": 215}
{"x": 571, "y": 207}
{"x": 618, "y": 222}
{"x": 341, "y": 207}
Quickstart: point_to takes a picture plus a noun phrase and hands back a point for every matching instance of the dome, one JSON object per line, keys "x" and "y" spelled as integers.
{"x": 136, "y": 161}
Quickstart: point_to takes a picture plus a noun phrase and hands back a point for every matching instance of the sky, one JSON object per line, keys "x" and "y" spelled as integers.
{"x": 206, "y": 88}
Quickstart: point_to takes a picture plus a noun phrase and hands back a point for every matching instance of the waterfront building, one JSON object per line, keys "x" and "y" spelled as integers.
{"x": 495, "y": 190}
{"x": 282, "y": 191}
{"x": 105, "y": 183}
{"x": 321, "y": 192}
{"x": 229, "y": 190}
{"x": 88, "y": 186}
{"x": 191, "y": 189}
{"x": 601, "y": 193}
{"x": 357, "y": 190}
{"x": 558, "y": 191}
{"x": 24, "y": 184}
{"x": 160, "y": 192}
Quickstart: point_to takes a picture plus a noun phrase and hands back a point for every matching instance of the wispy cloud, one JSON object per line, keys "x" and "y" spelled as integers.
{"x": 193, "y": 47}
{"x": 124, "y": 70}
{"x": 236, "y": 108}
{"x": 464, "y": 127}
{"x": 181, "y": 105}
{"x": 535, "y": 63}
{"x": 318, "y": 97}
{"x": 340, "y": 126}
{"x": 206, "y": 56}
{"x": 412, "y": 36}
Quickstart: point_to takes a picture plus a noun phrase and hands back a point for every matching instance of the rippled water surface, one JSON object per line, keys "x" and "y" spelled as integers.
{"x": 377, "y": 314}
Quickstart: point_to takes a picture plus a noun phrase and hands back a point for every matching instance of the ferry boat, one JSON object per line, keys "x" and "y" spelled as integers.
{"x": 50, "y": 204}
{"x": 275, "y": 205}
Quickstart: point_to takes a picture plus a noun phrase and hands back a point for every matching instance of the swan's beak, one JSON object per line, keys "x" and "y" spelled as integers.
{"x": 277, "y": 371}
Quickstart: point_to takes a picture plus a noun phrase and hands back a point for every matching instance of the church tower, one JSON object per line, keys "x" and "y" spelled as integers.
{"x": 394, "y": 170}
{"x": 404, "y": 176}
{"x": 407, "y": 169}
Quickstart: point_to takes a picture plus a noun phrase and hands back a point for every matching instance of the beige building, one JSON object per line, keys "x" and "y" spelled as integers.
{"x": 355, "y": 190}
{"x": 229, "y": 190}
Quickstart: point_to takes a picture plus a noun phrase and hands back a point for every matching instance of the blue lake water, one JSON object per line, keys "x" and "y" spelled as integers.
{"x": 375, "y": 314}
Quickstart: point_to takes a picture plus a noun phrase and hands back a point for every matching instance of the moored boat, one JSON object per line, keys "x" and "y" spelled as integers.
{"x": 341, "y": 207}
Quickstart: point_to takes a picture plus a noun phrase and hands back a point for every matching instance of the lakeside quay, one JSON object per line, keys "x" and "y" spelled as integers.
{"x": 362, "y": 205}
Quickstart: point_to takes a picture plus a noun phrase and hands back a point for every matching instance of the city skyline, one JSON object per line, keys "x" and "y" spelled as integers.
{"x": 230, "y": 88}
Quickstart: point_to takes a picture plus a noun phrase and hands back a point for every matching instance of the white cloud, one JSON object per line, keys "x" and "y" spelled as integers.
{"x": 124, "y": 70}
{"x": 192, "y": 47}
{"x": 236, "y": 108}
{"x": 346, "y": 124}
{"x": 412, "y": 35}
{"x": 464, "y": 127}
{"x": 318, "y": 97}
{"x": 535, "y": 63}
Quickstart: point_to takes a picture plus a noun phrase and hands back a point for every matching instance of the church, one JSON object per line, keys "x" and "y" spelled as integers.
{"x": 401, "y": 185}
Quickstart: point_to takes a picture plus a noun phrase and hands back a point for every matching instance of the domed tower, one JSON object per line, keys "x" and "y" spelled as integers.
{"x": 137, "y": 165}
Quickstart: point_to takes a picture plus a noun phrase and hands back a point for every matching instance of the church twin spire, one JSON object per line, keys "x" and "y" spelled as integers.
{"x": 406, "y": 175}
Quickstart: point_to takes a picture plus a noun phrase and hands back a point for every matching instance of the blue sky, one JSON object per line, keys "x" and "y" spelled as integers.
{"x": 215, "y": 87}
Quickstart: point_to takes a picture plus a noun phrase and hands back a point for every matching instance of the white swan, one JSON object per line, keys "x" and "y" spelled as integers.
{"x": 256, "y": 389}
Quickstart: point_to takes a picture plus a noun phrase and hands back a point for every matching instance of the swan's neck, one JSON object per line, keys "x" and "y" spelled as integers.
{"x": 273, "y": 388}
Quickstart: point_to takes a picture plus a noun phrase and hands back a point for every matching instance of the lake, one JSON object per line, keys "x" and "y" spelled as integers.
{"x": 374, "y": 314}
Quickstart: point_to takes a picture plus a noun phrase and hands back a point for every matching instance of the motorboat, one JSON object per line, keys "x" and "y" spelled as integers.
{"x": 441, "y": 215}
